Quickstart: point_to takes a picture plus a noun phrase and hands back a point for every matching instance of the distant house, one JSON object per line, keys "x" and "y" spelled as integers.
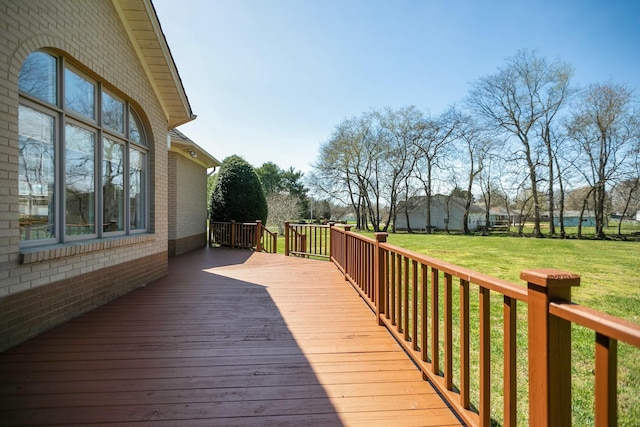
{"x": 187, "y": 207}
{"x": 446, "y": 213}
{"x": 499, "y": 217}
{"x": 572, "y": 219}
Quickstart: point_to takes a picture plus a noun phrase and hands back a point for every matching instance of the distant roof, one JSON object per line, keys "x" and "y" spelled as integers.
{"x": 575, "y": 214}
{"x": 180, "y": 143}
{"x": 419, "y": 202}
{"x": 143, "y": 27}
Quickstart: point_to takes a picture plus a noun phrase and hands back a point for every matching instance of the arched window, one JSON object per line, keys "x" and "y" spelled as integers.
{"x": 83, "y": 157}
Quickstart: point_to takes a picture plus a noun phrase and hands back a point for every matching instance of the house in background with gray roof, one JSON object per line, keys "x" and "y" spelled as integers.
{"x": 446, "y": 214}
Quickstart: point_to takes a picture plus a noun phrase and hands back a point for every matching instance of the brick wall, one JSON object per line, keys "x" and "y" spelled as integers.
{"x": 187, "y": 204}
{"x": 172, "y": 196}
{"x": 29, "y": 313}
{"x": 186, "y": 244}
{"x": 91, "y": 35}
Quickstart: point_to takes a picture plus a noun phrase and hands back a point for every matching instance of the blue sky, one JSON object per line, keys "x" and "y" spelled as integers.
{"x": 270, "y": 79}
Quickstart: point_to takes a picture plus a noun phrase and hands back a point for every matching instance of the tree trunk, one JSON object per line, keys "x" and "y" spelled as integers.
{"x": 552, "y": 227}
{"x": 428, "y": 199}
{"x": 467, "y": 203}
{"x": 533, "y": 179}
{"x": 634, "y": 187}
{"x": 465, "y": 220}
{"x": 536, "y": 198}
{"x": 487, "y": 220}
{"x": 406, "y": 215}
{"x": 599, "y": 199}
{"x": 561, "y": 211}
{"x": 584, "y": 205}
{"x": 448, "y": 218}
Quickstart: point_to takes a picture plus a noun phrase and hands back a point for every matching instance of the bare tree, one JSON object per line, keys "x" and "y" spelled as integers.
{"x": 401, "y": 129}
{"x": 475, "y": 145}
{"x": 490, "y": 184}
{"x": 335, "y": 172}
{"x": 626, "y": 193}
{"x": 282, "y": 207}
{"x": 350, "y": 168}
{"x": 629, "y": 193}
{"x": 526, "y": 93}
{"x": 556, "y": 94}
{"x": 564, "y": 159}
{"x": 432, "y": 143}
{"x": 604, "y": 129}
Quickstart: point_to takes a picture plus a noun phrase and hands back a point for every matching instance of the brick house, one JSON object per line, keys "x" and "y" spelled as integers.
{"x": 188, "y": 165}
{"x": 88, "y": 93}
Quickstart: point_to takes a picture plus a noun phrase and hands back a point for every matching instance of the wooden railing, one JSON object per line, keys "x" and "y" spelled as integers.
{"x": 243, "y": 235}
{"x": 306, "y": 240}
{"x": 405, "y": 290}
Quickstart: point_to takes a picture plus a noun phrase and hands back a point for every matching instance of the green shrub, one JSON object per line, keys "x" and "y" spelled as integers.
{"x": 238, "y": 194}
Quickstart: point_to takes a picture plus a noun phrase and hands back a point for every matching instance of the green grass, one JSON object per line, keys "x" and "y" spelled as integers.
{"x": 610, "y": 272}
{"x": 630, "y": 231}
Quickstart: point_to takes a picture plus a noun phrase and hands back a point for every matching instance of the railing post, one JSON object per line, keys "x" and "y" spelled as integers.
{"x": 347, "y": 228}
{"x": 210, "y": 230}
{"x": 286, "y": 238}
{"x": 258, "y": 237}
{"x": 331, "y": 225}
{"x": 233, "y": 234}
{"x": 379, "y": 274}
{"x": 303, "y": 246}
{"x": 549, "y": 348}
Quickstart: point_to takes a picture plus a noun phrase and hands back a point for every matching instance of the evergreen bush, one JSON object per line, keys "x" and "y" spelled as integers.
{"x": 238, "y": 194}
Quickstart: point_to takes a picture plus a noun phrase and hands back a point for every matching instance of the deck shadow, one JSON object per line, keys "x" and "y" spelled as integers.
{"x": 193, "y": 348}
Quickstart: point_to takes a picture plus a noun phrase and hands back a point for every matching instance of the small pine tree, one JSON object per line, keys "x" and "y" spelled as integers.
{"x": 238, "y": 194}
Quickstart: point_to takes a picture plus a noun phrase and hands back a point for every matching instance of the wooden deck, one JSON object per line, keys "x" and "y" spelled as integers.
{"x": 227, "y": 338}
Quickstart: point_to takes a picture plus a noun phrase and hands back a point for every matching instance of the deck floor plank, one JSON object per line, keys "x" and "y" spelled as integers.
{"x": 226, "y": 338}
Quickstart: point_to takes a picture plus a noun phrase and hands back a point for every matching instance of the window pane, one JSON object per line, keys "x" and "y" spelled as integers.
{"x": 38, "y": 77}
{"x": 79, "y": 181}
{"x": 112, "y": 113}
{"x": 36, "y": 176}
{"x": 113, "y": 186}
{"x": 79, "y": 94}
{"x": 137, "y": 189}
{"x": 135, "y": 134}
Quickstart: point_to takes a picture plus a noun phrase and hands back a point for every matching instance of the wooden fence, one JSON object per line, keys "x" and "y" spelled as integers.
{"x": 243, "y": 235}
{"x": 306, "y": 240}
{"x": 400, "y": 285}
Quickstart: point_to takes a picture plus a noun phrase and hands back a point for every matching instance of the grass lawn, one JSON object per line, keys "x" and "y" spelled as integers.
{"x": 609, "y": 270}
{"x": 610, "y": 282}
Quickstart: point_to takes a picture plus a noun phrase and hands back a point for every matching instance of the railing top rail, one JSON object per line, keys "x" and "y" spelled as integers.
{"x": 310, "y": 225}
{"x": 361, "y": 237}
{"x": 602, "y": 323}
{"x": 309, "y": 254}
{"x": 262, "y": 227}
{"x": 498, "y": 285}
{"x": 233, "y": 222}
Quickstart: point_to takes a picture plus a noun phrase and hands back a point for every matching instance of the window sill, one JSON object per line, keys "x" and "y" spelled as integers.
{"x": 53, "y": 252}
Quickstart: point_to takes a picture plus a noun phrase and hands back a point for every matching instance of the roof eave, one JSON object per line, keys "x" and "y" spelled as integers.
{"x": 184, "y": 146}
{"x": 143, "y": 28}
